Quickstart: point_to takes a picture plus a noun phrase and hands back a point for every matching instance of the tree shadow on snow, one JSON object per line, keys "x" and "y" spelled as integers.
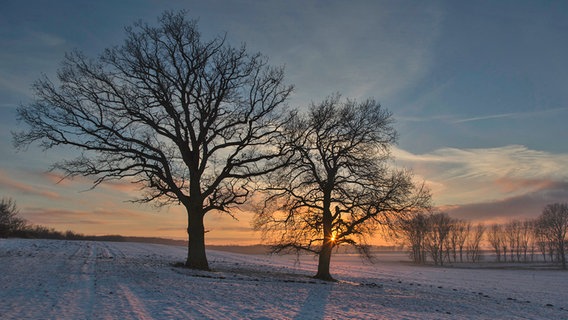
{"x": 315, "y": 303}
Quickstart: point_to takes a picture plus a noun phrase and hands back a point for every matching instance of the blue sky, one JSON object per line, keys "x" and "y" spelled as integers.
{"x": 479, "y": 90}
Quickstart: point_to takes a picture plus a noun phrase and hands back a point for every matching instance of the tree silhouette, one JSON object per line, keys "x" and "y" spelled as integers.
{"x": 10, "y": 223}
{"x": 553, "y": 222}
{"x": 414, "y": 231}
{"x": 495, "y": 237}
{"x": 337, "y": 188}
{"x": 189, "y": 120}
{"x": 439, "y": 227}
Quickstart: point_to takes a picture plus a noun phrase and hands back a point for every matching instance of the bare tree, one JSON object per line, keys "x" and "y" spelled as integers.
{"x": 541, "y": 238}
{"x": 338, "y": 188}
{"x": 188, "y": 120}
{"x": 518, "y": 235}
{"x": 526, "y": 242}
{"x": 440, "y": 225}
{"x": 414, "y": 231}
{"x": 460, "y": 232}
{"x": 452, "y": 243}
{"x": 554, "y": 224}
{"x": 512, "y": 236}
{"x": 473, "y": 242}
{"x": 495, "y": 238}
{"x": 9, "y": 220}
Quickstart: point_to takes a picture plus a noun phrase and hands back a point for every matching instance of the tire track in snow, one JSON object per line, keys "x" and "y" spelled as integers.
{"x": 88, "y": 279}
{"x": 79, "y": 289}
{"x": 136, "y": 305}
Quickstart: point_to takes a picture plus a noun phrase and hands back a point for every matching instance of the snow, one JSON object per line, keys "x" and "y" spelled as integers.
{"x": 50, "y": 279}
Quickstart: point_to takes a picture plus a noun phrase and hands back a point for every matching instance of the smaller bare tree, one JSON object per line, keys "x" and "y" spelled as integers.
{"x": 337, "y": 189}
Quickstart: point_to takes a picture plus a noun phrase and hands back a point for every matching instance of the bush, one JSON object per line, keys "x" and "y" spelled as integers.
{"x": 10, "y": 223}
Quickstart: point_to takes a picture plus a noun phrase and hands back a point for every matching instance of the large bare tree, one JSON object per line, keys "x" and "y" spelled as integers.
{"x": 338, "y": 189}
{"x": 188, "y": 119}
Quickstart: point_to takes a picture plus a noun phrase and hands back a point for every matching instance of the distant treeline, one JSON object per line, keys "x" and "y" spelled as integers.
{"x": 11, "y": 225}
{"x": 41, "y": 232}
{"x": 441, "y": 239}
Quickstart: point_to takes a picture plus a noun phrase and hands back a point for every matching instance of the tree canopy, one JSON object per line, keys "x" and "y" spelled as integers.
{"x": 338, "y": 187}
{"x": 188, "y": 119}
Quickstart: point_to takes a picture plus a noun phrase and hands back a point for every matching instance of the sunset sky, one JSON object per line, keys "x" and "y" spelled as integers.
{"x": 478, "y": 89}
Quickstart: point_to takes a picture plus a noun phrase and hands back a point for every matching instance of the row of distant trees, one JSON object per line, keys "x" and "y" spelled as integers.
{"x": 12, "y": 225}
{"x": 441, "y": 239}
{"x": 522, "y": 240}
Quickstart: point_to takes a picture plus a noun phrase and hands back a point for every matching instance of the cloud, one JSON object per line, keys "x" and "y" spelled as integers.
{"x": 490, "y": 182}
{"x": 124, "y": 186}
{"x": 511, "y": 115}
{"x": 225, "y": 228}
{"x": 114, "y": 186}
{"x": 100, "y": 221}
{"x": 456, "y": 119}
{"x": 42, "y": 215}
{"x": 520, "y": 207}
{"x": 48, "y": 39}
{"x": 488, "y": 117}
{"x": 514, "y": 161}
{"x": 385, "y": 49}
{"x": 56, "y": 217}
{"x": 11, "y": 184}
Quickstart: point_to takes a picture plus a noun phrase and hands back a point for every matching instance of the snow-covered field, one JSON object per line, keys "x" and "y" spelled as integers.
{"x": 43, "y": 279}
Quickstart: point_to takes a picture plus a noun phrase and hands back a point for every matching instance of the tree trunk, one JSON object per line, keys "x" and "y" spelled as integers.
{"x": 196, "y": 257}
{"x": 328, "y": 241}
{"x": 562, "y": 253}
{"x": 325, "y": 261}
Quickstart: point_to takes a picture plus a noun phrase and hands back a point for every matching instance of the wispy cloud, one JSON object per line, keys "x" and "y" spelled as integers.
{"x": 48, "y": 39}
{"x": 438, "y": 118}
{"x": 511, "y": 115}
{"x": 519, "y": 207}
{"x": 494, "y": 116}
{"x": 509, "y": 161}
{"x": 486, "y": 177}
{"x": 325, "y": 50}
{"x": 456, "y": 119}
{"x": 107, "y": 220}
{"x": 13, "y": 185}
{"x": 116, "y": 186}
